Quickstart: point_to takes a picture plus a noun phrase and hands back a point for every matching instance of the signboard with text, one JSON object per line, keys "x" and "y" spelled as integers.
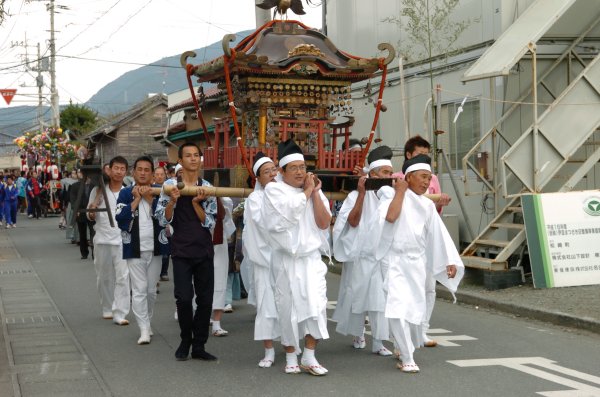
{"x": 563, "y": 237}
{"x": 8, "y": 94}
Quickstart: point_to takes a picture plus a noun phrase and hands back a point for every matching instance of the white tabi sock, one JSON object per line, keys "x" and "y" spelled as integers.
{"x": 379, "y": 348}
{"x": 291, "y": 359}
{"x": 308, "y": 356}
{"x": 270, "y": 354}
{"x": 309, "y": 360}
{"x": 216, "y": 325}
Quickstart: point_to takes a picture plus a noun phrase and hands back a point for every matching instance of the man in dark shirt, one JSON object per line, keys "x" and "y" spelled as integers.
{"x": 34, "y": 189}
{"x": 83, "y": 225}
{"x": 189, "y": 220}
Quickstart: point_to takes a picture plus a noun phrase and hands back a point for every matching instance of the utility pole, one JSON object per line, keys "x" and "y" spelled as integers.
{"x": 262, "y": 16}
{"x": 53, "y": 91}
{"x": 324, "y": 17}
{"x": 40, "y": 84}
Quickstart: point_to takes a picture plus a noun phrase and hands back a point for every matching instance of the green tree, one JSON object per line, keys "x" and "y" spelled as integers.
{"x": 428, "y": 32}
{"x": 78, "y": 120}
{"x": 427, "y": 29}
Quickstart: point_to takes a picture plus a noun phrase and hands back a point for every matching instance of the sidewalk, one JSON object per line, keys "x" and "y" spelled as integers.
{"x": 573, "y": 307}
{"x": 39, "y": 354}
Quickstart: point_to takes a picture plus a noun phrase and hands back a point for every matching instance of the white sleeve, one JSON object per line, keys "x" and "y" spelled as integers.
{"x": 345, "y": 237}
{"x": 442, "y": 252}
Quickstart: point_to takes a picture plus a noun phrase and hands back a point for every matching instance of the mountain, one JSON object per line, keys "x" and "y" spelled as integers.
{"x": 15, "y": 119}
{"x": 165, "y": 75}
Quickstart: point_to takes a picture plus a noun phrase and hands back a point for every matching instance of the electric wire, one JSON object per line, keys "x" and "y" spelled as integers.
{"x": 129, "y": 18}
{"x": 90, "y": 25}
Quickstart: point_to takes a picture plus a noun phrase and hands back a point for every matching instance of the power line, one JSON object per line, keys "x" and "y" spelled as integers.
{"x": 118, "y": 29}
{"x": 90, "y": 25}
{"x": 120, "y": 62}
{"x": 25, "y": 63}
{"x": 14, "y": 24}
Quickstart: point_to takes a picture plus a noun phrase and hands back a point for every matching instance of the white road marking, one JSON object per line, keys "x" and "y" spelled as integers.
{"x": 521, "y": 364}
{"x": 442, "y": 340}
{"x": 446, "y": 340}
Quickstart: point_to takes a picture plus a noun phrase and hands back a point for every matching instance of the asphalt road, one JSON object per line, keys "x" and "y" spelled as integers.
{"x": 481, "y": 353}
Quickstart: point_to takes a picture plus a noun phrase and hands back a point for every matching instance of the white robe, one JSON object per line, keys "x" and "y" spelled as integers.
{"x": 221, "y": 258}
{"x": 257, "y": 260}
{"x": 415, "y": 243}
{"x": 298, "y": 271}
{"x": 361, "y": 287}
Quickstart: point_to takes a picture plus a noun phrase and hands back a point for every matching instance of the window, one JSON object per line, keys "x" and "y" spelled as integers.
{"x": 460, "y": 137}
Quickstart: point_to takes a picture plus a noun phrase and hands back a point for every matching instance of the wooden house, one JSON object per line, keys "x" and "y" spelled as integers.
{"x": 130, "y": 134}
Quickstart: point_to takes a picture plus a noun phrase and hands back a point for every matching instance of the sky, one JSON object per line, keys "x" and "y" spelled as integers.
{"x": 99, "y": 40}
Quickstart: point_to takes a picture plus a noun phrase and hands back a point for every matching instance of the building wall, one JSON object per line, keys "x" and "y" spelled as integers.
{"x": 209, "y": 112}
{"x": 356, "y": 26}
{"x": 133, "y": 138}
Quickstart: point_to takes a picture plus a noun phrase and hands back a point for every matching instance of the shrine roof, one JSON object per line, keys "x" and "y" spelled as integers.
{"x": 282, "y": 48}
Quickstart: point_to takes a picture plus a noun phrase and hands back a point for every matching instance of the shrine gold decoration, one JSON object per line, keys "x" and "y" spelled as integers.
{"x": 306, "y": 49}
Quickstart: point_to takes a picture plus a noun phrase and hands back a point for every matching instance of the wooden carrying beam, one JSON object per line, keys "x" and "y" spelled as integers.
{"x": 241, "y": 192}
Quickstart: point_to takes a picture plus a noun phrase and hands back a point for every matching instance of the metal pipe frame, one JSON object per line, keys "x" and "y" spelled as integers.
{"x": 495, "y": 131}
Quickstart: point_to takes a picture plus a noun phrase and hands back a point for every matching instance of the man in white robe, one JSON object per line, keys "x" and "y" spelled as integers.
{"x": 414, "y": 146}
{"x": 257, "y": 254}
{"x": 361, "y": 289}
{"x": 296, "y": 214}
{"x": 413, "y": 237}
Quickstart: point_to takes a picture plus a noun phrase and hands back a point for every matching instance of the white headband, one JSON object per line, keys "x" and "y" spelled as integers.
{"x": 418, "y": 167}
{"x": 356, "y": 146}
{"x": 289, "y": 158}
{"x": 259, "y": 163}
{"x": 377, "y": 164}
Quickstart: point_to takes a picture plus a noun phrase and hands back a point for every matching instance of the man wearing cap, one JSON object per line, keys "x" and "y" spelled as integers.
{"x": 190, "y": 220}
{"x": 361, "y": 288}
{"x": 257, "y": 255}
{"x": 410, "y": 233}
{"x": 296, "y": 214}
{"x": 413, "y": 147}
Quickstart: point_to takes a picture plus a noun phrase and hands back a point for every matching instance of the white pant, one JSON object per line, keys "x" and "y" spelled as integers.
{"x": 144, "y": 273}
{"x": 221, "y": 265}
{"x": 429, "y": 301}
{"x": 122, "y": 298}
{"x": 403, "y": 333}
{"x": 105, "y": 257}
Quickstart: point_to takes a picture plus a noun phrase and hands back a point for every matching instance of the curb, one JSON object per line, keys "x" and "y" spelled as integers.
{"x": 553, "y": 317}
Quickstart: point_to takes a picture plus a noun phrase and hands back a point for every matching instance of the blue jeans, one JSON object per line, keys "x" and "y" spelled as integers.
{"x": 164, "y": 271}
{"x": 233, "y": 288}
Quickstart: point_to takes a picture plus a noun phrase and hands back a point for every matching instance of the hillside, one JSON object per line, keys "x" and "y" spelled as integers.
{"x": 134, "y": 86}
{"x": 121, "y": 93}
